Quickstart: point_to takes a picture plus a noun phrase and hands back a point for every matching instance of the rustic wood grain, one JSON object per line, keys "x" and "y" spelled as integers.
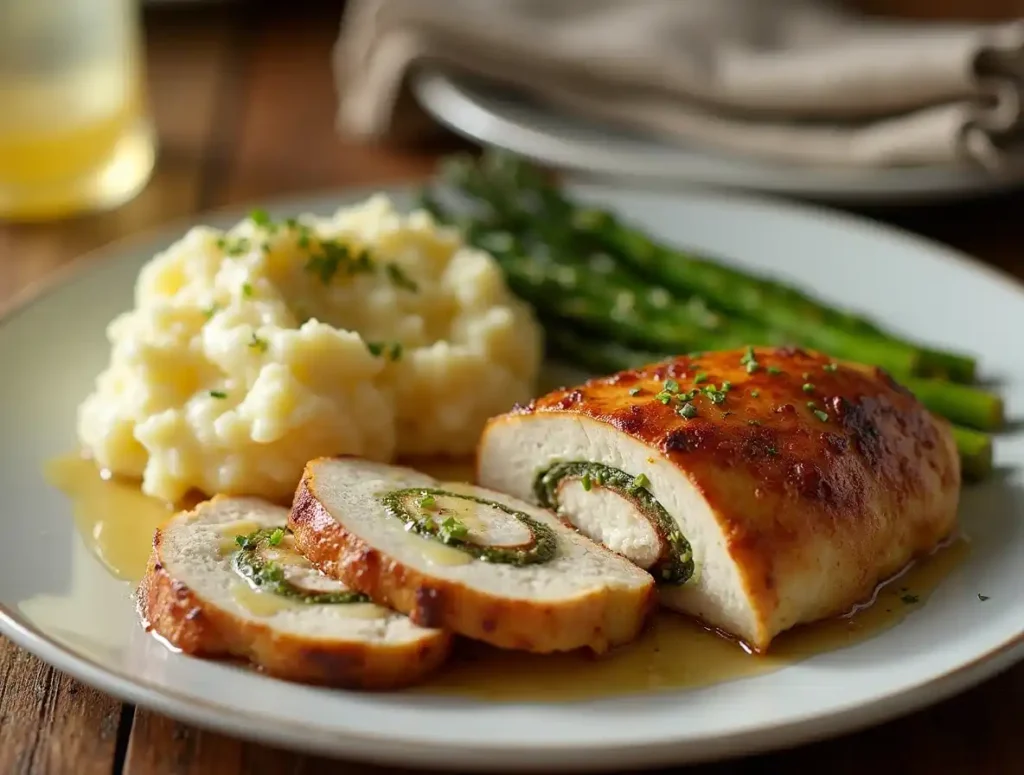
{"x": 161, "y": 746}
{"x": 244, "y": 105}
{"x": 945, "y": 10}
{"x": 287, "y": 140}
{"x": 49, "y": 723}
{"x": 976, "y": 733}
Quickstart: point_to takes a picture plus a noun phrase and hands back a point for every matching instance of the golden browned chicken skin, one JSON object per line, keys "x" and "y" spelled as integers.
{"x": 803, "y": 482}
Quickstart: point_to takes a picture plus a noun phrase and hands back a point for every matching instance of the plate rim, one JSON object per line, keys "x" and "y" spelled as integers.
{"x": 233, "y": 720}
{"x": 385, "y": 748}
{"x": 442, "y": 94}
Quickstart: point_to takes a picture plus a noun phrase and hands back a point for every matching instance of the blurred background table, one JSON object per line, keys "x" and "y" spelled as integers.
{"x": 244, "y": 102}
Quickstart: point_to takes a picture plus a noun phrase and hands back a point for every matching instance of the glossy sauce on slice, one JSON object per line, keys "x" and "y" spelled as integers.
{"x": 117, "y": 522}
{"x": 454, "y": 474}
{"x": 261, "y": 603}
{"x": 266, "y": 604}
{"x": 434, "y": 552}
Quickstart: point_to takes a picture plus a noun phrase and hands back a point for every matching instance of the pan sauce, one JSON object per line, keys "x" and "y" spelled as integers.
{"x": 117, "y": 522}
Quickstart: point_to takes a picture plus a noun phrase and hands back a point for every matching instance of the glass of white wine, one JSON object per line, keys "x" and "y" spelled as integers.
{"x": 75, "y": 134}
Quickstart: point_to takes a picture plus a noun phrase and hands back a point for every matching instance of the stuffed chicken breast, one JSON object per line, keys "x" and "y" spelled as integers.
{"x": 762, "y": 488}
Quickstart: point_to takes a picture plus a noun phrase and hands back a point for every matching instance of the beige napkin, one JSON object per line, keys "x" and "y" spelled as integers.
{"x": 792, "y": 80}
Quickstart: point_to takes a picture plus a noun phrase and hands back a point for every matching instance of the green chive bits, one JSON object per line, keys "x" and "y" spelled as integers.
{"x": 689, "y": 411}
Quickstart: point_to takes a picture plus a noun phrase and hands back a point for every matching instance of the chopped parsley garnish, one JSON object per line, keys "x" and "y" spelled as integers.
{"x": 452, "y": 529}
{"x": 247, "y": 290}
{"x": 258, "y": 344}
{"x": 689, "y": 411}
{"x": 726, "y": 386}
{"x": 427, "y": 502}
{"x": 303, "y": 230}
{"x": 585, "y": 482}
{"x": 269, "y": 576}
{"x": 773, "y": 370}
{"x": 392, "y": 351}
{"x": 910, "y": 599}
{"x": 755, "y": 393}
{"x": 334, "y": 257}
{"x": 817, "y": 412}
{"x": 210, "y": 311}
{"x": 271, "y": 573}
{"x": 635, "y": 391}
{"x": 236, "y": 247}
{"x": 807, "y": 387}
{"x": 400, "y": 279}
{"x": 772, "y": 451}
{"x": 749, "y": 360}
{"x": 640, "y": 482}
{"x": 261, "y": 218}
{"x": 218, "y": 394}
{"x": 714, "y": 394}
{"x": 702, "y": 376}
{"x": 830, "y": 367}
{"x": 982, "y": 597}
{"x": 670, "y": 391}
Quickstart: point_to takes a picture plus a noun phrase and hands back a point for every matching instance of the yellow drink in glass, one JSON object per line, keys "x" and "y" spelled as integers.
{"x": 74, "y": 129}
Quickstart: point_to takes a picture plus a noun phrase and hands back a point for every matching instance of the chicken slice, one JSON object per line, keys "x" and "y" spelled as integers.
{"x": 465, "y": 559}
{"x": 225, "y": 579}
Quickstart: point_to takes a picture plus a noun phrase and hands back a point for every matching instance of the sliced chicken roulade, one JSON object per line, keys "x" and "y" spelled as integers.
{"x": 225, "y": 579}
{"x": 465, "y": 559}
{"x": 761, "y": 488}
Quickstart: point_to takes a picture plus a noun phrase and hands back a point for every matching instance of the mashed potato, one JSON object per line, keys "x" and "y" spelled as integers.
{"x": 249, "y": 352}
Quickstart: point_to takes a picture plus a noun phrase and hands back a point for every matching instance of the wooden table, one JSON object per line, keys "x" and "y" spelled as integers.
{"x": 244, "y": 104}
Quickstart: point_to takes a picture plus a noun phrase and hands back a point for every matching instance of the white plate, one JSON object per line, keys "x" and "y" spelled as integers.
{"x": 505, "y": 119}
{"x": 52, "y": 349}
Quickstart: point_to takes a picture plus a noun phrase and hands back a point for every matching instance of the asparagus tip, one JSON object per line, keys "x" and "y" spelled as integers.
{"x": 975, "y": 453}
